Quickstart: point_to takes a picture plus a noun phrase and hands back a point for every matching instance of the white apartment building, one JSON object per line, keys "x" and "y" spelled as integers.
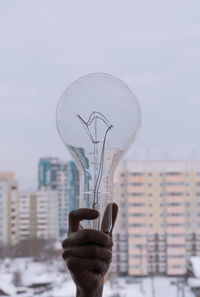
{"x": 55, "y": 174}
{"x": 38, "y": 215}
{"x": 158, "y": 226}
{"x": 8, "y": 209}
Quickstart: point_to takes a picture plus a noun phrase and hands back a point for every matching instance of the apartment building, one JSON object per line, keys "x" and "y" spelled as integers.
{"x": 8, "y": 209}
{"x": 159, "y": 220}
{"x": 63, "y": 177}
{"x": 38, "y": 215}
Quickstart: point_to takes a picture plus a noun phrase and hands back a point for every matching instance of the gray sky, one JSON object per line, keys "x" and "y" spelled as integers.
{"x": 154, "y": 46}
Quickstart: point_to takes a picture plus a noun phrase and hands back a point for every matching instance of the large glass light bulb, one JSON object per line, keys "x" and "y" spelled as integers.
{"x": 98, "y": 118}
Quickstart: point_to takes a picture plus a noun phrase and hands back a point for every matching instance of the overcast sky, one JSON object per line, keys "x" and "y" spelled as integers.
{"x": 154, "y": 46}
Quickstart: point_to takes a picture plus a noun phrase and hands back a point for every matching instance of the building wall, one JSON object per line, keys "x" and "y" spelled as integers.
{"x": 162, "y": 202}
{"x": 63, "y": 177}
{"x": 8, "y": 209}
{"x": 38, "y": 215}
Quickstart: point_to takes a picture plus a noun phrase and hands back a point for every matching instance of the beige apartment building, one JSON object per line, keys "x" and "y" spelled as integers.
{"x": 26, "y": 215}
{"x": 8, "y": 209}
{"x": 158, "y": 226}
{"x": 38, "y": 215}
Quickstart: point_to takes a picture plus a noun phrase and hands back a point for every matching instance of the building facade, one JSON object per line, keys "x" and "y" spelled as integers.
{"x": 8, "y": 209}
{"x": 158, "y": 227}
{"x": 63, "y": 177}
{"x": 38, "y": 215}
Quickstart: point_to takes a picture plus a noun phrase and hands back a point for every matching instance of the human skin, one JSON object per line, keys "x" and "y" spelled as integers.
{"x": 88, "y": 252}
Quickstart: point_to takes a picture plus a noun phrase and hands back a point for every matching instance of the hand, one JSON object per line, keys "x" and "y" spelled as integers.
{"x": 88, "y": 252}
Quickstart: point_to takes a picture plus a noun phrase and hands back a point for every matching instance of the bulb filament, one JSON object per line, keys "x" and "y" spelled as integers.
{"x": 94, "y": 118}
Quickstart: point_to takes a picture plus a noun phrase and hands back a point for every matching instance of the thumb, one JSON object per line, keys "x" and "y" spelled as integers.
{"x": 109, "y": 218}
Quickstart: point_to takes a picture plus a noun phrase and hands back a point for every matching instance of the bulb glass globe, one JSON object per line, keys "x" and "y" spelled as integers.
{"x": 98, "y": 118}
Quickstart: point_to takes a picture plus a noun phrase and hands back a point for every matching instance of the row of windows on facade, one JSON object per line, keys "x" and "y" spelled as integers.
{"x": 173, "y": 173}
{"x": 162, "y": 246}
{"x": 168, "y": 194}
{"x": 140, "y": 184}
{"x": 161, "y": 257}
{"x": 171, "y": 214}
{"x": 164, "y": 236}
{"x": 162, "y": 225}
{"x": 143, "y": 266}
{"x": 162, "y": 204}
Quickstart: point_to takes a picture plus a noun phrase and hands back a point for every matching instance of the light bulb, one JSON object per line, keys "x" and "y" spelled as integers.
{"x": 98, "y": 118}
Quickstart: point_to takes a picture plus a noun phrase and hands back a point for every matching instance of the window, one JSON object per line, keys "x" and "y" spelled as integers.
{"x": 136, "y": 214}
{"x": 175, "y": 194}
{"x": 136, "y": 194}
{"x": 136, "y": 184}
{"x": 174, "y": 173}
{"x": 136, "y": 225}
{"x": 175, "y": 224}
{"x": 137, "y": 173}
{"x": 137, "y": 235}
{"x": 175, "y": 214}
{"x": 136, "y": 204}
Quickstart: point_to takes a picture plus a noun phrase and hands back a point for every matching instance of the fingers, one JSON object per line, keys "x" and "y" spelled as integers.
{"x": 114, "y": 216}
{"x": 109, "y": 218}
{"x": 75, "y": 265}
{"x": 78, "y": 215}
{"x": 87, "y": 236}
{"x": 88, "y": 251}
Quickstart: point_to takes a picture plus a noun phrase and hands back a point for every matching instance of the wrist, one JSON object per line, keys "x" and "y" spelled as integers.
{"x": 90, "y": 293}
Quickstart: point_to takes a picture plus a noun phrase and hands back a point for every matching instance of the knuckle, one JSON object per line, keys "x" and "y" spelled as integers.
{"x": 64, "y": 243}
{"x": 66, "y": 253}
{"x": 105, "y": 239}
{"x": 70, "y": 264}
{"x": 108, "y": 255}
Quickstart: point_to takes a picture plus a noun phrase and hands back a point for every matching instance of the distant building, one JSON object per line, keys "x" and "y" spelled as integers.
{"x": 38, "y": 215}
{"x": 158, "y": 226}
{"x": 8, "y": 209}
{"x": 63, "y": 177}
{"x": 72, "y": 186}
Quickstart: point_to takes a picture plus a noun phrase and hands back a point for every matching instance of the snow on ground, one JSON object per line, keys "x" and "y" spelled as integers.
{"x": 162, "y": 285}
{"x": 34, "y": 272}
{"x": 195, "y": 261}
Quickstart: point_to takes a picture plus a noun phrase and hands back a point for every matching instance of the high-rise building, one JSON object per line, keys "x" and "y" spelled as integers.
{"x": 63, "y": 177}
{"x": 159, "y": 218}
{"x": 8, "y": 209}
{"x": 38, "y": 215}
{"x": 72, "y": 186}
